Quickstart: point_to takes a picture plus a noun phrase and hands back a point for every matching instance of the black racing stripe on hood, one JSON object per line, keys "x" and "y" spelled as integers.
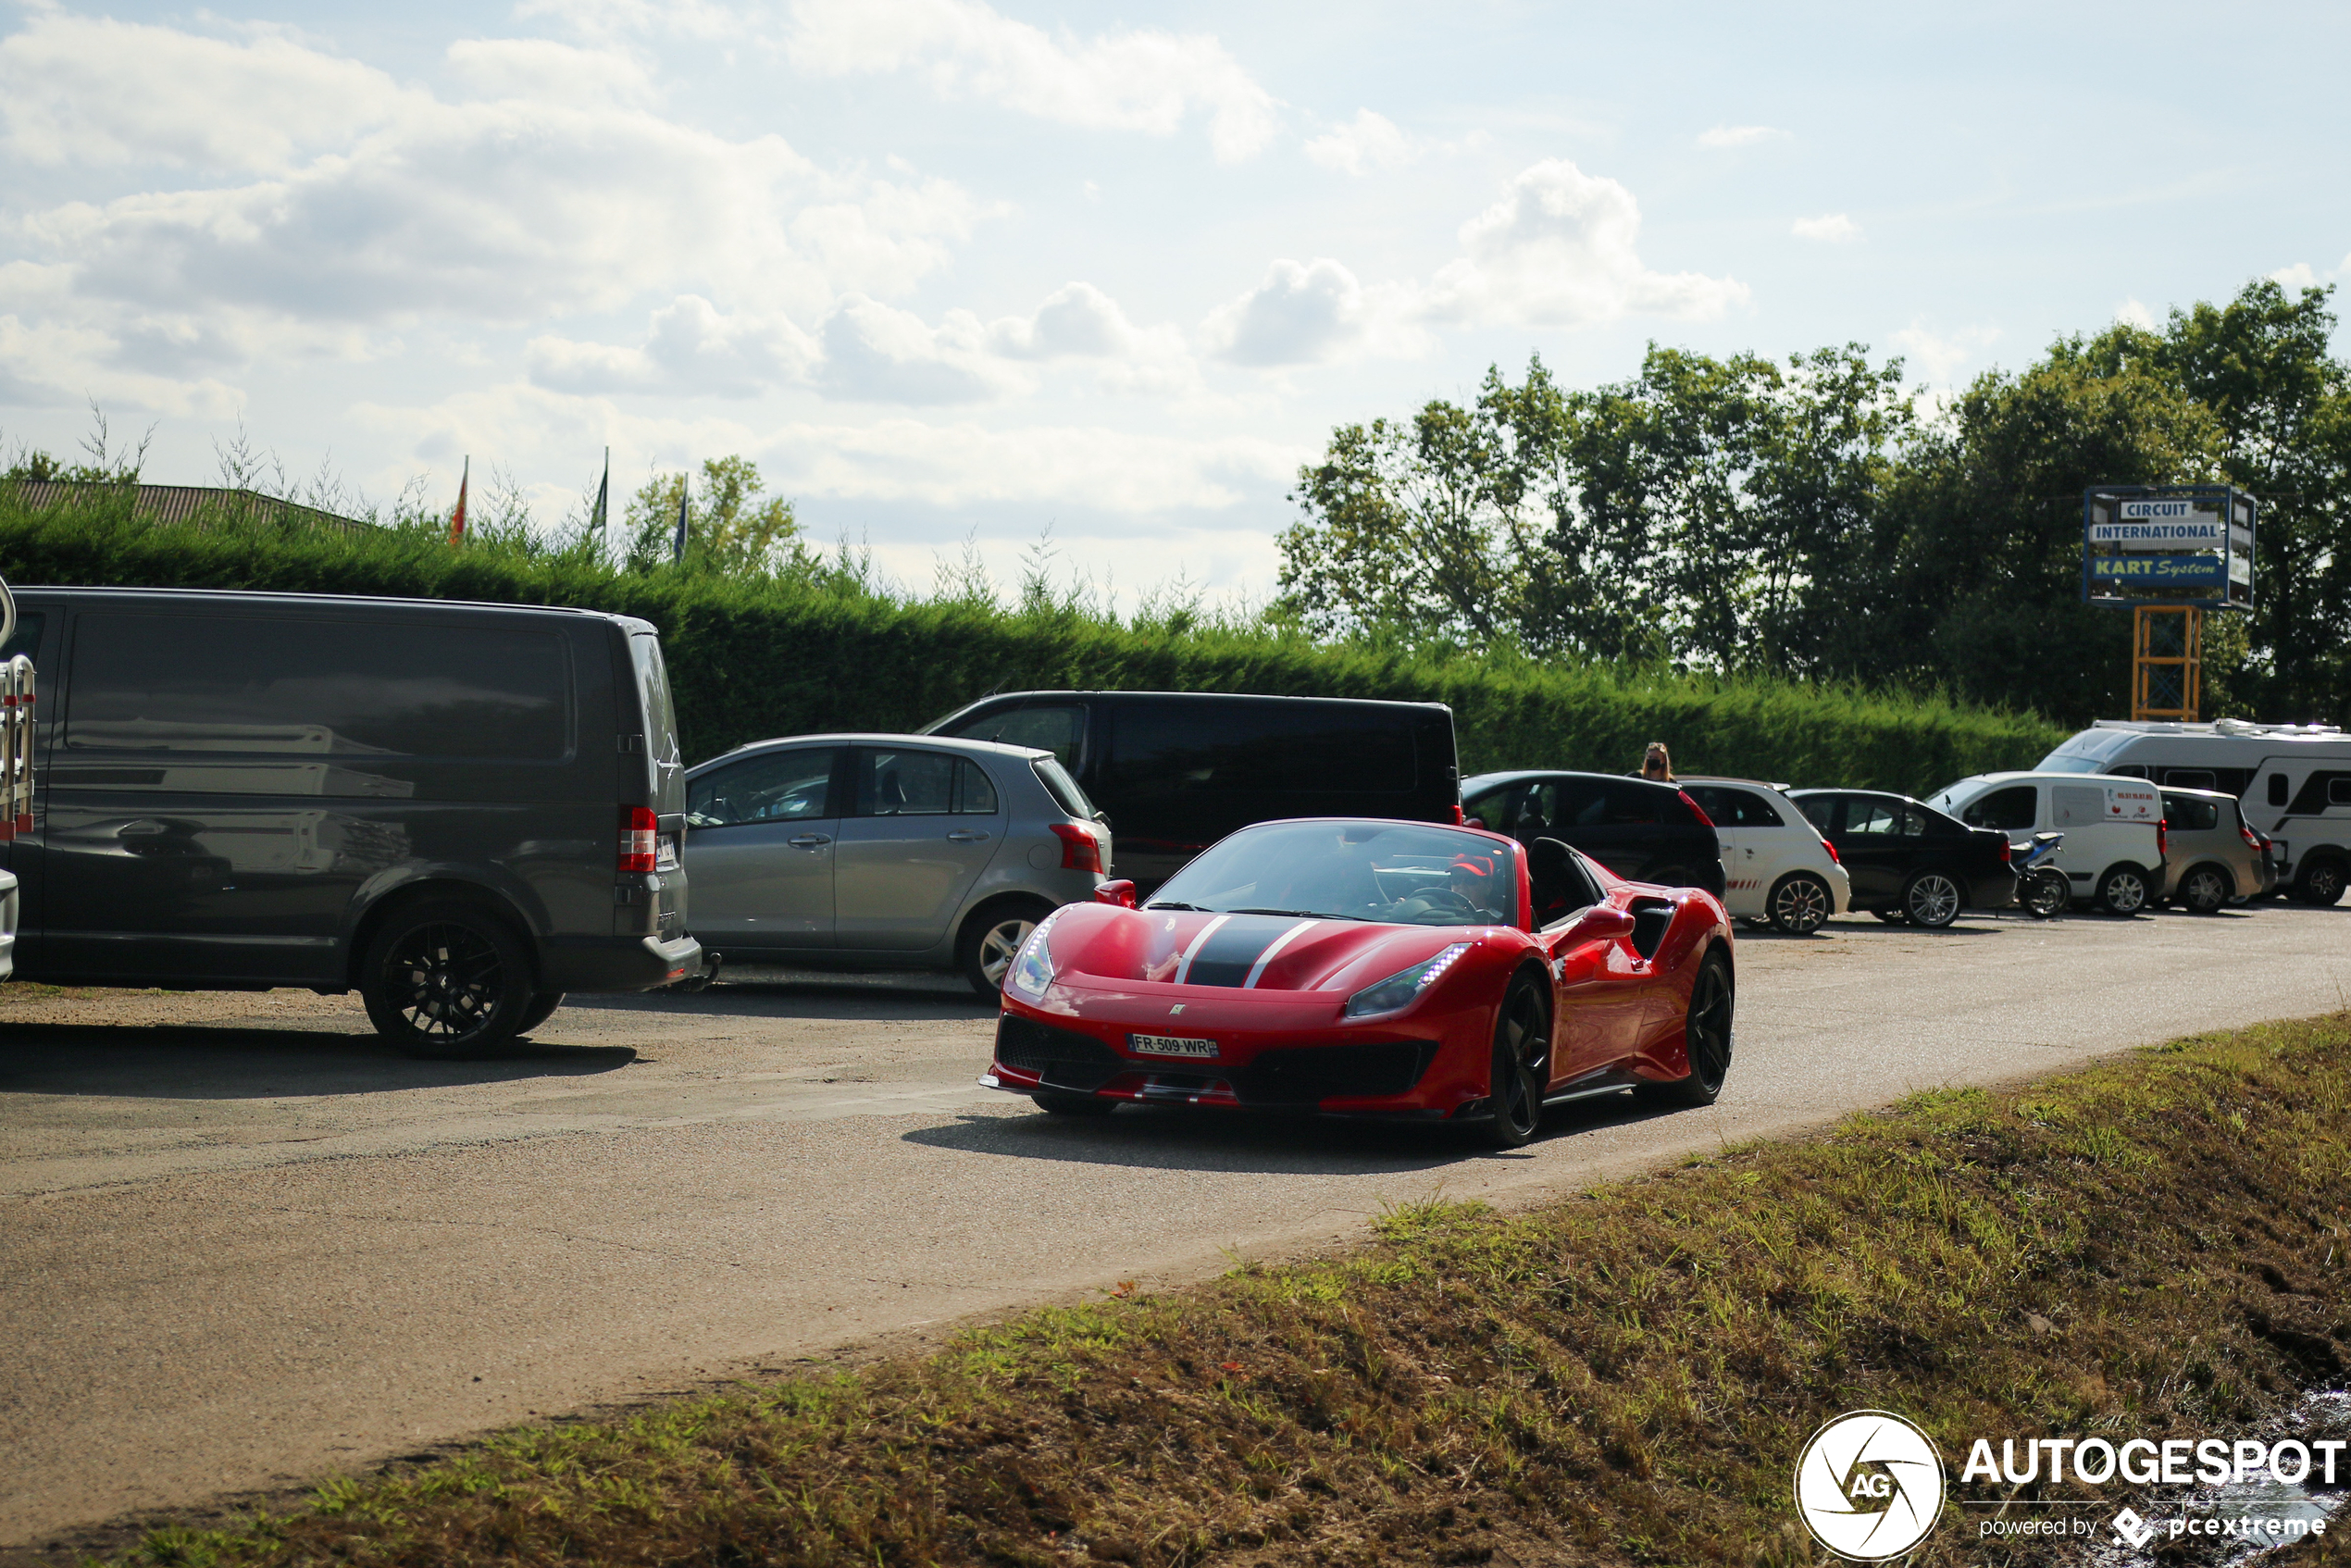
{"x": 1226, "y": 958}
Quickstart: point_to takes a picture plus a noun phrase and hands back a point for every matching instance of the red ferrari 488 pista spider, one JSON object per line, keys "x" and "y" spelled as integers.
{"x": 1370, "y": 968}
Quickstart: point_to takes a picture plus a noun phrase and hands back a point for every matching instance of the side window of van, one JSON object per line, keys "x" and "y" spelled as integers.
{"x": 354, "y": 688}
{"x": 2188, "y": 778}
{"x": 2011, "y": 810}
{"x": 2276, "y": 788}
{"x": 1060, "y": 729}
{"x": 1163, "y": 749}
{"x": 2339, "y": 792}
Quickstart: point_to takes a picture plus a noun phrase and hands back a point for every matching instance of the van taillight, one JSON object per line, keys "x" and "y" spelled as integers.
{"x": 2162, "y": 836}
{"x": 1459, "y": 819}
{"x": 1696, "y": 810}
{"x": 638, "y": 828}
{"x": 1080, "y": 850}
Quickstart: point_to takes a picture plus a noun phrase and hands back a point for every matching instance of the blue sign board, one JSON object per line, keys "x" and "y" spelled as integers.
{"x": 2168, "y": 545}
{"x": 2160, "y": 571}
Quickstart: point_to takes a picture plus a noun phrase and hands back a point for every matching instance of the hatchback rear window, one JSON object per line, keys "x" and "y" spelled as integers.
{"x": 1064, "y": 789}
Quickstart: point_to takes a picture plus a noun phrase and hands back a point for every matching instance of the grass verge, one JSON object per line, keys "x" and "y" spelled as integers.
{"x": 1622, "y": 1377}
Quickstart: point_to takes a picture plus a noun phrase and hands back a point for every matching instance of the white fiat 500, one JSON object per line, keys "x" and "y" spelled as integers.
{"x": 1777, "y": 870}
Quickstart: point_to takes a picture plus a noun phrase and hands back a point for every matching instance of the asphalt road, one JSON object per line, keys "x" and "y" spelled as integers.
{"x": 244, "y": 1245}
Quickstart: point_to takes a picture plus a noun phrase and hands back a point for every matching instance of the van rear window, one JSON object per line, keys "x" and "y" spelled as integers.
{"x": 392, "y": 688}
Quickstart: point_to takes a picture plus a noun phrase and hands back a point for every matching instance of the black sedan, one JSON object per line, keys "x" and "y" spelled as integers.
{"x": 1909, "y": 860}
{"x": 1642, "y": 831}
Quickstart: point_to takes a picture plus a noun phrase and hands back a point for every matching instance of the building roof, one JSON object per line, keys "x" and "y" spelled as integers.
{"x": 185, "y": 502}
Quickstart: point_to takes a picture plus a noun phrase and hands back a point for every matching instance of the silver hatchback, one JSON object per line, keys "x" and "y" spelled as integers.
{"x": 2210, "y": 858}
{"x": 886, "y": 852}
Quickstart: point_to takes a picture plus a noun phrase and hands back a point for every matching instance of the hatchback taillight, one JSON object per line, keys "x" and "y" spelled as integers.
{"x": 2252, "y": 840}
{"x": 639, "y": 830}
{"x": 1081, "y": 850}
{"x": 1835, "y": 858}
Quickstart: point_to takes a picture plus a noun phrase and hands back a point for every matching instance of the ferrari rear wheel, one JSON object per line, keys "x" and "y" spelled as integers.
{"x": 1522, "y": 1055}
{"x": 1074, "y": 1105}
{"x": 1708, "y": 1030}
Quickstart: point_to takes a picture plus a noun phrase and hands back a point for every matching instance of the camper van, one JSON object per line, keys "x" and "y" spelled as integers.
{"x": 2293, "y": 782}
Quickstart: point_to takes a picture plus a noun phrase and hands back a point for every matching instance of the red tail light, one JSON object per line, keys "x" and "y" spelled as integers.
{"x": 638, "y": 828}
{"x": 1081, "y": 850}
{"x": 2252, "y": 840}
{"x": 1835, "y": 858}
{"x": 1458, "y": 820}
{"x": 2162, "y": 836}
{"x": 1696, "y": 810}
{"x": 2007, "y": 852}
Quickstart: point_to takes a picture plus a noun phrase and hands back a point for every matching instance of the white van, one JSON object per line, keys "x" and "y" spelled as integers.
{"x": 2293, "y": 782}
{"x": 2113, "y": 828}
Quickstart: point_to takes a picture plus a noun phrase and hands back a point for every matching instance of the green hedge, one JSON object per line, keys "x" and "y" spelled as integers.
{"x": 751, "y": 658}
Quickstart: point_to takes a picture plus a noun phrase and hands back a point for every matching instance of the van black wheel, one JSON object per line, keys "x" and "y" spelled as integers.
{"x": 1074, "y": 1104}
{"x": 992, "y": 939}
{"x": 1931, "y": 899}
{"x": 1800, "y": 902}
{"x": 542, "y": 1007}
{"x": 1706, "y": 1028}
{"x": 448, "y": 980}
{"x": 2204, "y": 889}
{"x": 2319, "y": 881}
{"x": 1520, "y": 1069}
{"x": 2123, "y": 891}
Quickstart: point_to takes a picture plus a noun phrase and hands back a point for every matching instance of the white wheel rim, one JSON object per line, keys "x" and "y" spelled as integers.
{"x": 1000, "y": 946}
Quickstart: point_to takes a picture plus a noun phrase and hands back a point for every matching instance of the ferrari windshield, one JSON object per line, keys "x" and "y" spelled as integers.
{"x": 1392, "y": 871}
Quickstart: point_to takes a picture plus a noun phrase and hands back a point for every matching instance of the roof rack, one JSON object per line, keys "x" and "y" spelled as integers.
{"x": 2217, "y": 727}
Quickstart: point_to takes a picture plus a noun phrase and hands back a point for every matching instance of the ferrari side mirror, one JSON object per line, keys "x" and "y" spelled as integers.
{"x": 1122, "y": 894}
{"x": 1603, "y": 923}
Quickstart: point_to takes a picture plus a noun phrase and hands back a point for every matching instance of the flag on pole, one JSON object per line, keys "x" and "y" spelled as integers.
{"x": 685, "y": 487}
{"x": 457, "y": 518}
{"x": 604, "y": 494}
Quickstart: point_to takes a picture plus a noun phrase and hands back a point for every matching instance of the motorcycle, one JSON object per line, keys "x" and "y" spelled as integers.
{"x": 2042, "y": 887}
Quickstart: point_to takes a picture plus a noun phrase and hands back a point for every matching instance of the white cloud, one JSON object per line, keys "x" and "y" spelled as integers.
{"x": 546, "y": 71}
{"x": 1738, "y": 135}
{"x": 49, "y": 364}
{"x": 1362, "y": 144}
{"x": 88, "y": 90}
{"x": 1934, "y": 358}
{"x": 1077, "y": 322}
{"x": 2130, "y": 313}
{"x": 1143, "y": 80}
{"x": 691, "y": 348}
{"x": 874, "y": 353}
{"x": 1558, "y": 250}
{"x": 1833, "y": 228}
{"x": 2299, "y": 276}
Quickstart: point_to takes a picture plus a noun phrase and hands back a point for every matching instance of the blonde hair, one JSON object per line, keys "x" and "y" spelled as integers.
{"x": 1665, "y": 759}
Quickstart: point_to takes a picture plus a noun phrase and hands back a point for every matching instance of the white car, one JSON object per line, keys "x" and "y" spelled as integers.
{"x": 1777, "y": 870}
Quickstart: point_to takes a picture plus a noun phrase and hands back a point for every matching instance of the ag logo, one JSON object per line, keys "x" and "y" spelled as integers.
{"x": 1869, "y": 1486}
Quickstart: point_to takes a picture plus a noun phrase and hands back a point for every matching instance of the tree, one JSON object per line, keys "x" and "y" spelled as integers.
{"x": 735, "y": 527}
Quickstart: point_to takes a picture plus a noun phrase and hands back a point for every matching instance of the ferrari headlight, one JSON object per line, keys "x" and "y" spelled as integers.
{"x": 1032, "y": 968}
{"x": 1398, "y": 990}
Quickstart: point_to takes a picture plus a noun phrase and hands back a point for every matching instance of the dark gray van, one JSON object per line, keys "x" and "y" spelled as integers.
{"x": 1176, "y": 771}
{"x": 460, "y": 811}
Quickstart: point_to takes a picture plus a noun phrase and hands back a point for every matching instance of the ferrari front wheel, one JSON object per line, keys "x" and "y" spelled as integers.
{"x": 1707, "y": 1028}
{"x": 1522, "y": 1057}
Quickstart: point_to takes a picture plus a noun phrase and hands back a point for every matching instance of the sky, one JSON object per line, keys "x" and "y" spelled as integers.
{"x": 962, "y": 276}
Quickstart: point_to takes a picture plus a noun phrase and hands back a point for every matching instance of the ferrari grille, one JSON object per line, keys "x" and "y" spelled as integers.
{"x": 1304, "y": 1074}
{"x": 1063, "y": 1058}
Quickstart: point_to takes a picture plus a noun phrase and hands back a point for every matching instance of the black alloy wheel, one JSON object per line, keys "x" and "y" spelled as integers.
{"x": 1707, "y": 1031}
{"x": 1519, "y": 1071}
{"x": 2123, "y": 891}
{"x": 447, "y": 979}
{"x": 1800, "y": 903}
{"x": 1074, "y": 1104}
{"x": 1931, "y": 899}
{"x": 2046, "y": 893}
{"x": 2319, "y": 881}
{"x": 2204, "y": 889}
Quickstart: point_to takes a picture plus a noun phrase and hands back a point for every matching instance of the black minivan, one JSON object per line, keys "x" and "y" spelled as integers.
{"x": 1176, "y": 771}
{"x": 460, "y": 811}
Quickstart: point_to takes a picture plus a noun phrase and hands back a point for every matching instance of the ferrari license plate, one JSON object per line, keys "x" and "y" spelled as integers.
{"x": 1170, "y": 1045}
